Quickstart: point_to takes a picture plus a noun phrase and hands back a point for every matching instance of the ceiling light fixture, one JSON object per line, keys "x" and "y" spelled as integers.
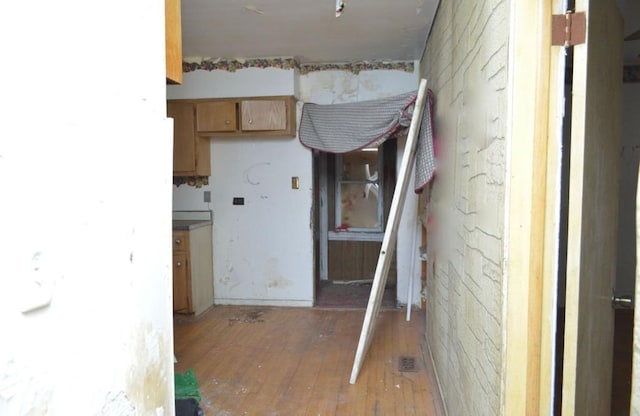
{"x": 339, "y": 7}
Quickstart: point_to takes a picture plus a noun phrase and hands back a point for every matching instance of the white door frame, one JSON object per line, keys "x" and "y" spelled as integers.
{"x": 532, "y": 208}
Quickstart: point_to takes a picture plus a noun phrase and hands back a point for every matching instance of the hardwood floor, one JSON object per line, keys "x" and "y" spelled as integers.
{"x": 622, "y": 363}
{"x": 297, "y": 361}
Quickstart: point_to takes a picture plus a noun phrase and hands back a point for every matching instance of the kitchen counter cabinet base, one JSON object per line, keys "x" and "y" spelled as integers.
{"x": 195, "y": 248}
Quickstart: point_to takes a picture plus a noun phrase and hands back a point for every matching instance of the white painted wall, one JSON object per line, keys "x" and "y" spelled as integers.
{"x": 85, "y": 170}
{"x": 332, "y": 87}
{"x": 247, "y": 82}
{"x": 630, "y": 159}
{"x": 262, "y": 251}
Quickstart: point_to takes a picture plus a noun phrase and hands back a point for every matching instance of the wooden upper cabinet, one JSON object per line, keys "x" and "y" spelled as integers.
{"x": 216, "y": 116}
{"x": 173, "y": 41}
{"x": 263, "y": 115}
{"x": 184, "y": 145}
{"x": 191, "y": 153}
{"x": 244, "y": 117}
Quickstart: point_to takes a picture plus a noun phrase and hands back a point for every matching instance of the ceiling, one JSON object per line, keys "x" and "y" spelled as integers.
{"x": 307, "y": 30}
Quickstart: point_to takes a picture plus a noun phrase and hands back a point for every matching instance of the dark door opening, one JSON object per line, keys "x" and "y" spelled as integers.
{"x": 352, "y": 198}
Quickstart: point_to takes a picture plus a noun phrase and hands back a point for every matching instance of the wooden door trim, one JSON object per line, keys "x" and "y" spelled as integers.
{"x": 532, "y": 209}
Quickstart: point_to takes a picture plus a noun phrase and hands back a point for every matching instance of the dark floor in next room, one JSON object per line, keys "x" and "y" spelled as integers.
{"x": 350, "y": 295}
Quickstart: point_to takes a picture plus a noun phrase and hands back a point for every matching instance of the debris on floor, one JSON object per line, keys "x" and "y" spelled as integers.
{"x": 249, "y": 318}
{"x": 187, "y": 395}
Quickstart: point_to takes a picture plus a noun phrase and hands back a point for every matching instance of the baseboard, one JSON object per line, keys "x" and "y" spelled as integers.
{"x": 434, "y": 380}
{"x": 266, "y": 302}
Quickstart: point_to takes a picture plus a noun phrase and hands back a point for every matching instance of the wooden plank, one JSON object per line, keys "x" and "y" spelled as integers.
{"x": 390, "y": 234}
{"x": 412, "y": 267}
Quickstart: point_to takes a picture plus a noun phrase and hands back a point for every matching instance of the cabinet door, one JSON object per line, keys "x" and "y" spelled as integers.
{"x": 184, "y": 136}
{"x": 180, "y": 241}
{"x": 181, "y": 283}
{"x": 173, "y": 41}
{"x": 264, "y": 115}
{"x": 216, "y": 116}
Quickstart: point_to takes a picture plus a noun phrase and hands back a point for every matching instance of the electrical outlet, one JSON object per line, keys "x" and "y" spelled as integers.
{"x": 207, "y": 196}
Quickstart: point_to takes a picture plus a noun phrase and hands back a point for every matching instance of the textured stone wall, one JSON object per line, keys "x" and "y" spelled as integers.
{"x": 465, "y": 64}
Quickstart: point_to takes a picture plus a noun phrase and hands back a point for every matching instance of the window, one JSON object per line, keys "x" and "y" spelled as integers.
{"x": 359, "y": 199}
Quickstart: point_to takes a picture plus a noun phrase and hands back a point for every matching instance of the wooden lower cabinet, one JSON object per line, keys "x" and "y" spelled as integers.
{"x": 181, "y": 283}
{"x": 192, "y": 270}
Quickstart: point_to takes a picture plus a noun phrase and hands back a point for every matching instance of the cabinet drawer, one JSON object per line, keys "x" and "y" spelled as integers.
{"x": 216, "y": 116}
{"x": 180, "y": 241}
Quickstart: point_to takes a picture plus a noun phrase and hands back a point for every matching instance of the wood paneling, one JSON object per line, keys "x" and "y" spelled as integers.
{"x": 356, "y": 260}
{"x": 294, "y": 361}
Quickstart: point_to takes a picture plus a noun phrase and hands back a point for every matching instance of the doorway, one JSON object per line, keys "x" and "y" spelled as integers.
{"x": 352, "y": 198}
{"x": 626, "y": 237}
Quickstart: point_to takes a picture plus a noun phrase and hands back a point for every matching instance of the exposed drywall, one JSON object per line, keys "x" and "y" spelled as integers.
{"x": 332, "y": 87}
{"x": 630, "y": 158}
{"x": 85, "y": 292}
{"x": 465, "y": 63}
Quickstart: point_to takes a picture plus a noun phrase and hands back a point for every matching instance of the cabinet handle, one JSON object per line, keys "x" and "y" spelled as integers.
{"x": 250, "y": 121}
{"x": 179, "y": 264}
{"x": 227, "y": 122}
{"x": 178, "y": 241}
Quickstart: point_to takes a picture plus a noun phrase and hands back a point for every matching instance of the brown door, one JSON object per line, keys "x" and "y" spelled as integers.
{"x": 593, "y": 211}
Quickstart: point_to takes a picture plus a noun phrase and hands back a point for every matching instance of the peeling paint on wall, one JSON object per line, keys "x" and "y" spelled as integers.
{"x": 149, "y": 373}
{"x": 117, "y": 404}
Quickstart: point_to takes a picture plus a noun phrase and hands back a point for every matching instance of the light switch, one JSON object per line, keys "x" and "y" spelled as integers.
{"x": 295, "y": 182}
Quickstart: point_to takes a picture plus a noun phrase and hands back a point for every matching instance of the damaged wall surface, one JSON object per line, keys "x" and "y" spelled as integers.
{"x": 263, "y": 251}
{"x": 85, "y": 286}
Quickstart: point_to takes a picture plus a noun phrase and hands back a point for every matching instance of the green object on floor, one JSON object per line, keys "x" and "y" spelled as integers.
{"x": 186, "y": 385}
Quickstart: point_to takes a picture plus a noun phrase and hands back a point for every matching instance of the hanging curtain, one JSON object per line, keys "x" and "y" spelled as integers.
{"x": 341, "y": 128}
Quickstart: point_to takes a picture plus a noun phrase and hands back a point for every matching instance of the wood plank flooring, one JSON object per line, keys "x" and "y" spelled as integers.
{"x": 297, "y": 361}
